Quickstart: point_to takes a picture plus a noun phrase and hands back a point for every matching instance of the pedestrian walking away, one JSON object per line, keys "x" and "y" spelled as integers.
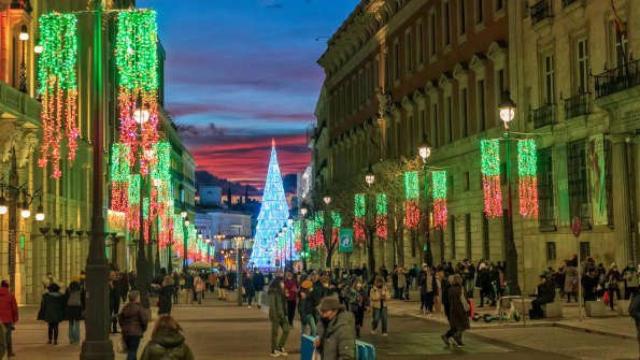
{"x": 278, "y": 317}
{"x": 133, "y": 321}
{"x": 52, "y": 310}
{"x": 164, "y": 296}
{"x": 379, "y": 297}
{"x": 75, "y": 305}
{"x": 458, "y": 312}
{"x": 167, "y": 342}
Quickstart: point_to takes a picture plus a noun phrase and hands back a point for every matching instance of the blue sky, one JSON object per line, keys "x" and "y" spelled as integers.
{"x": 240, "y": 72}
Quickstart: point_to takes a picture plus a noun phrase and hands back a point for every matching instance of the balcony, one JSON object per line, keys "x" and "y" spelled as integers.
{"x": 540, "y": 11}
{"x": 577, "y": 105}
{"x": 566, "y": 3}
{"x": 621, "y": 78}
{"x": 543, "y": 116}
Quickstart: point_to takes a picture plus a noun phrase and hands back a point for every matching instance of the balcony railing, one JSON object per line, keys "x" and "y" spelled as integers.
{"x": 576, "y": 105}
{"x": 566, "y": 3}
{"x": 540, "y": 11}
{"x": 621, "y": 78}
{"x": 543, "y": 116}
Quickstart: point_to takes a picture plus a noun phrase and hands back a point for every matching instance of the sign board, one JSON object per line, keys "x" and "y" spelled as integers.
{"x": 346, "y": 241}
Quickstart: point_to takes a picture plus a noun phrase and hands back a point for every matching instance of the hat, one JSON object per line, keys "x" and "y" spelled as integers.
{"x": 330, "y": 303}
{"x": 307, "y": 284}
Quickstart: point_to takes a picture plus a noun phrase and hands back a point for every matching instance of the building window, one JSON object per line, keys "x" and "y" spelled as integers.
{"x": 579, "y": 203}
{"x": 467, "y": 235}
{"x": 482, "y": 123}
{"x": 408, "y": 52}
{"x": 465, "y": 181}
{"x": 620, "y": 41}
{"x": 446, "y": 23}
{"x": 486, "y": 251}
{"x": 551, "y": 251}
{"x": 449, "y": 117}
{"x": 436, "y": 127}
{"x": 464, "y": 112}
{"x": 548, "y": 79}
{"x": 479, "y": 11}
{"x": 546, "y": 218}
{"x": 420, "y": 49}
{"x": 452, "y": 225}
{"x": 432, "y": 34}
{"x": 585, "y": 250}
{"x": 582, "y": 66}
{"x": 462, "y": 16}
{"x": 396, "y": 60}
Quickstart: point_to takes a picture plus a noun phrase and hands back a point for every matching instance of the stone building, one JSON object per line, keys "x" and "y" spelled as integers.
{"x": 59, "y": 244}
{"x": 403, "y": 72}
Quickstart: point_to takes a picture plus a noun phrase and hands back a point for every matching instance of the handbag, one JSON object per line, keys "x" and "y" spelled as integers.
{"x": 465, "y": 303}
{"x": 121, "y": 346}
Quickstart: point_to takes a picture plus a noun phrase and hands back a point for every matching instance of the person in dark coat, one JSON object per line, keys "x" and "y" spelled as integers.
{"x": 590, "y": 285}
{"x": 52, "y": 311}
{"x": 258, "y": 285}
{"x": 546, "y": 294}
{"x": 249, "y": 290}
{"x": 306, "y": 308}
{"x": 278, "y": 317}
{"x": 458, "y": 312}
{"x": 164, "y": 295}
{"x": 167, "y": 342}
{"x": 114, "y": 301}
{"x": 634, "y": 312}
{"x": 133, "y": 321}
{"x": 336, "y": 333}
{"x": 75, "y": 305}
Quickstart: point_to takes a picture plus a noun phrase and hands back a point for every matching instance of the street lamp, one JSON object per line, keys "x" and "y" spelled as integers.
{"x": 23, "y": 37}
{"x": 370, "y": 177}
{"x": 24, "y": 33}
{"x": 183, "y": 214}
{"x": 507, "y": 110}
{"x": 25, "y": 213}
{"x": 303, "y": 233}
{"x": 424, "y": 151}
{"x": 141, "y": 116}
{"x": 3, "y": 204}
{"x": 327, "y": 200}
{"x": 38, "y": 49}
{"x": 40, "y": 213}
{"x": 239, "y": 244}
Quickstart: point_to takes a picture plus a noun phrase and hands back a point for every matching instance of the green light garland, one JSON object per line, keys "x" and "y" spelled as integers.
{"x": 527, "y": 158}
{"x": 490, "y": 157}
{"x": 381, "y": 204}
{"x": 439, "y": 180}
{"x": 336, "y": 220}
{"x": 134, "y": 189}
{"x": 411, "y": 185}
{"x": 119, "y": 166}
{"x": 136, "y": 50}
{"x": 360, "y": 205}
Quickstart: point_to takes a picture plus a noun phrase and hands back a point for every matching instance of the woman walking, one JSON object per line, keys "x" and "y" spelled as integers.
{"x": 458, "y": 312}
{"x": 167, "y": 342}
{"x": 278, "y": 317}
{"x": 74, "y": 310}
{"x": 307, "y": 309}
{"x": 133, "y": 322}
{"x": 52, "y": 311}
{"x": 164, "y": 296}
{"x": 379, "y": 298}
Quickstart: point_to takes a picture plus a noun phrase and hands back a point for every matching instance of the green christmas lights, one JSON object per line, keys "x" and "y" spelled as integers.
{"x": 360, "y": 205}
{"x": 490, "y": 168}
{"x": 528, "y": 180}
{"x": 381, "y": 204}
{"x": 136, "y": 50}
{"x": 527, "y": 158}
{"x": 411, "y": 185}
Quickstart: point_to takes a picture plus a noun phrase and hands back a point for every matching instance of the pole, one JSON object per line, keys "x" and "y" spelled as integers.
{"x": 305, "y": 249}
{"x": 185, "y": 246}
{"x": 511, "y": 251}
{"x": 14, "y": 195}
{"x": 239, "y": 273}
{"x": 142, "y": 263}
{"x": 97, "y": 345}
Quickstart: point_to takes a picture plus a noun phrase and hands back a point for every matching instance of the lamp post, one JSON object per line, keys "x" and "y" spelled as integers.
{"x": 239, "y": 245}
{"x": 370, "y": 179}
{"x": 24, "y": 38}
{"x": 303, "y": 233}
{"x": 185, "y": 242}
{"x": 328, "y": 235}
{"x": 424, "y": 151}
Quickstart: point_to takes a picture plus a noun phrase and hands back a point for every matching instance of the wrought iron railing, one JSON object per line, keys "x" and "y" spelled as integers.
{"x": 544, "y": 115}
{"x": 576, "y": 105}
{"x": 540, "y": 11}
{"x": 621, "y": 78}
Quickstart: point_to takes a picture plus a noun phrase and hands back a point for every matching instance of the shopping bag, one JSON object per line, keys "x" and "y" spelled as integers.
{"x": 365, "y": 351}
{"x": 472, "y": 308}
{"x": 605, "y": 298}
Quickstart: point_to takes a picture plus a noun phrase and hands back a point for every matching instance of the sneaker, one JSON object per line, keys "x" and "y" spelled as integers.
{"x": 275, "y": 353}
{"x": 282, "y": 352}
{"x": 249, "y": 306}
{"x": 445, "y": 340}
{"x": 457, "y": 343}
{"x": 385, "y": 334}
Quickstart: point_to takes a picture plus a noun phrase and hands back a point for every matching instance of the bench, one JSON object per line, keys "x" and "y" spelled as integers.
{"x": 552, "y": 310}
{"x": 596, "y": 308}
{"x": 622, "y": 307}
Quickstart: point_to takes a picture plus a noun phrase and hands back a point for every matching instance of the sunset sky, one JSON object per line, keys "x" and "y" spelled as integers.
{"x": 240, "y": 72}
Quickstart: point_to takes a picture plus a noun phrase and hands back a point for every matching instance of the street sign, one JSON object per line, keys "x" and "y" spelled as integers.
{"x": 346, "y": 241}
{"x": 576, "y": 226}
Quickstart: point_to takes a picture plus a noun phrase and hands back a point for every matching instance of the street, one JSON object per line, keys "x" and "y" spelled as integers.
{"x": 217, "y": 330}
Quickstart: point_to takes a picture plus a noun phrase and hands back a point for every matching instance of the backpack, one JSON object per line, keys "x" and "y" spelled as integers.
{"x": 74, "y": 299}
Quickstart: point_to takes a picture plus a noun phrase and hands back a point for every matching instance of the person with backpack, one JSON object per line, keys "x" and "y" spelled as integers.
{"x": 133, "y": 321}
{"x": 8, "y": 314}
{"x": 52, "y": 311}
{"x": 74, "y": 310}
{"x": 278, "y": 317}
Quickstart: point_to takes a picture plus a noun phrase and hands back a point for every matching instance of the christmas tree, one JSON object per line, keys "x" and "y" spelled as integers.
{"x": 274, "y": 213}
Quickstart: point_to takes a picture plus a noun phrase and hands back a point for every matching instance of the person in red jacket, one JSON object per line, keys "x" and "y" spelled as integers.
{"x": 8, "y": 313}
{"x": 291, "y": 293}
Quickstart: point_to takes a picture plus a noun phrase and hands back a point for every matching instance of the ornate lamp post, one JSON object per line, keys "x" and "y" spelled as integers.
{"x": 424, "y": 151}
{"x": 239, "y": 245}
{"x": 303, "y": 231}
{"x": 370, "y": 179}
{"x": 24, "y": 38}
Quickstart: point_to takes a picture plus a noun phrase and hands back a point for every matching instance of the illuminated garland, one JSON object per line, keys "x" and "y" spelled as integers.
{"x": 382, "y": 231}
{"x": 133, "y": 218}
{"x": 297, "y": 233}
{"x": 163, "y": 204}
{"x": 119, "y": 173}
{"x": 490, "y": 168}
{"x": 528, "y": 178}
{"x": 336, "y": 224}
{"x": 57, "y": 76}
{"x": 359, "y": 213}
{"x": 440, "y": 211}
{"x": 137, "y": 62}
{"x": 412, "y": 195}
{"x": 318, "y": 234}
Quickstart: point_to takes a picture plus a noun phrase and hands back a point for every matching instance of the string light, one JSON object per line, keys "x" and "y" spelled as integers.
{"x": 412, "y": 195}
{"x": 359, "y": 213}
{"x": 381, "y": 216}
{"x": 528, "y": 178}
{"x": 440, "y": 210}
{"x": 57, "y": 76}
{"x": 490, "y": 168}
{"x": 336, "y": 224}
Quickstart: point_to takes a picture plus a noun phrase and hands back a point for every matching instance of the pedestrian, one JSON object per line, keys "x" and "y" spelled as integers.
{"x": 249, "y": 291}
{"x": 546, "y": 293}
{"x": 336, "y": 334}
{"x": 167, "y": 342}
{"x": 8, "y": 315}
{"x": 306, "y": 308}
{"x": 176, "y": 287}
{"x": 212, "y": 279}
{"x": 278, "y": 317}
{"x": 123, "y": 286}
{"x": 613, "y": 279}
{"x": 75, "y": 305}
{"x": 357, "y": 301}
{"x": 590, "y": 285}
{"x": 571, "y": 279}
{"x": 258, "y": 285}
{"x": 291, "y": 293}
{"x": 379, "y": 298}
{"x": 458, "y": 312}
{"x": 164, "y": 296}
{"x": 199, "y": 287}
{"x": 133, "y": 321}
{"x": 52, "y": 311}
{"x": 48, "y": 280}
{"x": 427, "y": 284}
{"x": 114, "y": 301}
{"x": 630, "y": 275}
{"x": 403, "y": 291}
{"x": 634, "y": 312}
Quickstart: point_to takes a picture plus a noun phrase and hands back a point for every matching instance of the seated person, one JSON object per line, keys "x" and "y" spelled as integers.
{"x": 546, "y": 294}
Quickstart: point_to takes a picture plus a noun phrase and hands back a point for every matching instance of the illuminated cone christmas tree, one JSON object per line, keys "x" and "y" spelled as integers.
{"x": 274, "y": 213}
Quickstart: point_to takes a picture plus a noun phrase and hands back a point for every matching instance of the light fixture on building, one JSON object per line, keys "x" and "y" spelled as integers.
{"x": 40, "y": 213}
{"x": 183, "y": 214}
{"x": 507, "y": 110}
{"x": 327, "y": 200}
{"x": 370, "y": 177}
{"x": 25, "y": 212}
{"x": 38, "y": 49}
{"x": 186, "y": 222}
{"x": 424, "y": 151}
{"x": 24, "y": 33}
{"x": 141, "y": 115}
{"x": 3, "y": 205}
{"x": 303, "y": 211}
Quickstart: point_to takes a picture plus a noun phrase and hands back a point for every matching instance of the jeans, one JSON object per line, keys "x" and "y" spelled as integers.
{"x": 379, "y": 315}
{"x": 74, "y": 331}
{"x": 132, "y": 342}
{"x": 291, "y": 311}
{"x": 259, "y": 297}
{"x": 275, "y": 325}
{"x": 9, "y": 328}
{"x": 53, "y": 332}
{"x": 311, "y": 322}
{"x": 427, "y": 301}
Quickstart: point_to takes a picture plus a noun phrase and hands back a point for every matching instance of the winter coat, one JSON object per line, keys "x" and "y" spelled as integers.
{"x": 8, "y": 307}
{"x": 164, "y": 299}
{"x": 379, "y": 297}
{"x": 571, "y": 280}
{"x": 291, "y": 289}
{"x": 546, "y": 292}
{"x": 247, "y": 284}
{"x": 589, "y": 285}
{"x": 167, "y": 345}
{"x": 277, "y": 306}
{"x": 52, "y": 307}
{"x": 427, "y": 282}
{"x": 458, "y": 316}
{"x": 305, "y": 307}
{"x": 133, "y": 319}
{"x": 74, "y": 304}
{"x": 337, "y": 337}
{"x": 258, "y": 281}
{"x": 402, "y": 279}
{"x": 634, "y": 309}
